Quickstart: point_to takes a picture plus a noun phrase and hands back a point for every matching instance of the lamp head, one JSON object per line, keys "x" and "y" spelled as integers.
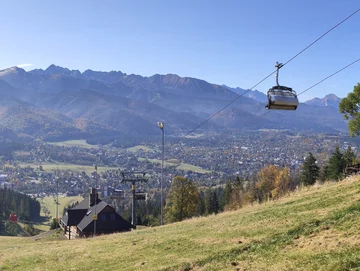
{"x": 161, "y": 125}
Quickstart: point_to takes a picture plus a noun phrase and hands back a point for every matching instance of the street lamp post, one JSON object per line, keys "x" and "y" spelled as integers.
{"x": 57, "y": 200}
{"x": 161, "y": 126}
{"x": 95, "y": 215}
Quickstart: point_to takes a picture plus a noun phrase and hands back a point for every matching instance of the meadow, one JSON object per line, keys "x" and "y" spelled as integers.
{"x": 72, "y": 167}
{"x": 183, "y": 166}
{"x": 74, "y": 143}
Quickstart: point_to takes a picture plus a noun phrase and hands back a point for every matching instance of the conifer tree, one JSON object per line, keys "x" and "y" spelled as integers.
{"x": 349, "y": 157}
{"x": 336, "y": 165}
{"x": 226, "y": 195}
{"x": 211, "y": 202}
{"x": 310, "y": 170}
{"x": 200, "y": 207}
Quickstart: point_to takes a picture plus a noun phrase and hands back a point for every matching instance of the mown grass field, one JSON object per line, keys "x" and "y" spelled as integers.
{"x": 72, "y": 167}
{"x": 49, "y": 203}
{"x": 141, "y": 147}
{"x": 74, "y": 143}
{"x": 182, "y": 166}
{"x": 314, "y": 229}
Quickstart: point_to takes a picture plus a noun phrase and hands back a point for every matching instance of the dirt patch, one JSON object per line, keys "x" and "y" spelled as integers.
{"x": 328, "y": 239}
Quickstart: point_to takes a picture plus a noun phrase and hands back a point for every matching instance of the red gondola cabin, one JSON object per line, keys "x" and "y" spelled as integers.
{"x": 13, "y": 218}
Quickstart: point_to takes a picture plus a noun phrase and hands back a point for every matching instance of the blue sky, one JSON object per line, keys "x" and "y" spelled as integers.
{"x": 233, "y": 42}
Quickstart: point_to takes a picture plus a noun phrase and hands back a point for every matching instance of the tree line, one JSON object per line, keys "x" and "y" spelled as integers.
{"x": 186, "y": 200}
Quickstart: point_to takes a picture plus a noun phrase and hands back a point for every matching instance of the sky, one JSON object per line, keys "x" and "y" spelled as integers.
{"x": 231, "y": 42}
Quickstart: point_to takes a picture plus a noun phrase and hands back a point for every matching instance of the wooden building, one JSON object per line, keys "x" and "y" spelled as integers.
{"x": 79, "y": 220}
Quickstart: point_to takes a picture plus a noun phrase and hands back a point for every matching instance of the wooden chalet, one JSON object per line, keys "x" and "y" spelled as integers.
{"x": 79, "y": 220}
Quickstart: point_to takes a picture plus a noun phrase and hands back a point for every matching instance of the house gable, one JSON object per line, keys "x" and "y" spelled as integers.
{"x": 79, "y": 220}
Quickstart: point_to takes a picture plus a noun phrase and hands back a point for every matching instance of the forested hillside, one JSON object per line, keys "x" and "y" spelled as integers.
{"x": 25, "y": 207}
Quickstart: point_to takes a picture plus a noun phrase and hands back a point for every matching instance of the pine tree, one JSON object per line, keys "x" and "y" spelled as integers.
{"x": 349, "y": 157}
{"x": 226, "y": 195}
{"x": 215, "y": 206}
{"x": 310, "y": 170}
{"x": 200, "y": 207}
{"x": 323, "y": 173}
{"x": 336, "y": 165}
{"x": 211, "y": 202}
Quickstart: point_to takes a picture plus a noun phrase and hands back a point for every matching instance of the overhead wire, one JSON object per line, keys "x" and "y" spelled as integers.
{"x": 292, "y": 58}
{"x": 331, "y": 75}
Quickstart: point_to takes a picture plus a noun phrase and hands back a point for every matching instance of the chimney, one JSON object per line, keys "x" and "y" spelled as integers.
{"x": 92, "y": 196}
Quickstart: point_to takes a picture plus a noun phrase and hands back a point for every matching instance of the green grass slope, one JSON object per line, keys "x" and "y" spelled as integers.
{"x": 314, "y": 229}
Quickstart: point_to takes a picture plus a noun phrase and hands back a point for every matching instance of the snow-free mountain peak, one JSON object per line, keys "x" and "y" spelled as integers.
{"x": 329, "y": 100}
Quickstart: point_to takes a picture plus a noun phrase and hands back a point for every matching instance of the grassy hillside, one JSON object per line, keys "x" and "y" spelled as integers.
{"x": 315, "y": 229}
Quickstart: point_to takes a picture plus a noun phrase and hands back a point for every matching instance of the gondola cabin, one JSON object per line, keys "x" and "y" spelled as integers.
{"x": 117, "y": 194}
{"x": 13, "y": 218}
{"x": 282, "y": 98}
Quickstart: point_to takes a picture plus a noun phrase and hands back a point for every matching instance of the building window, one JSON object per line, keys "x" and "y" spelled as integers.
{"x": 112, "y": 216}
{"x": 103, "y": 217}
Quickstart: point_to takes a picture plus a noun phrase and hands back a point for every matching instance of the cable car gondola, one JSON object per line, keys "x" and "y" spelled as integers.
{"x": 281, "y": 97}
{"x": 13, "y": 218}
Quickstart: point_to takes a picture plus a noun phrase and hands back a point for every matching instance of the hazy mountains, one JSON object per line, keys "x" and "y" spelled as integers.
{"x": 58, "y": 103}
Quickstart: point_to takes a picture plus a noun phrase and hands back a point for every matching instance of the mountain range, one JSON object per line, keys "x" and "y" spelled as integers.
{"x": 58, "y": 103}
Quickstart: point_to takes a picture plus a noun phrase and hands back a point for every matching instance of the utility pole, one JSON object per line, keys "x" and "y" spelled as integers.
{"x": 133, "y": 177}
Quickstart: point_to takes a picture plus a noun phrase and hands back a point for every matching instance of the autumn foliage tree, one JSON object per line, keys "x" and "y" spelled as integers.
{"x": 273, "y": 182}
{"x": 182, "y": 200}
{"x": 282, "y": 183}
{"x": 266, "y": 181}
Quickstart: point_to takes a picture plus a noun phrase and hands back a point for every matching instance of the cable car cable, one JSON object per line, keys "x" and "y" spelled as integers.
{"x": 314, "y": 85}
{"x": 268, "y": 111}
{"x": 239, "y": 96}
{"x": 331, "y": 75}
{"x": 323, "y": 35}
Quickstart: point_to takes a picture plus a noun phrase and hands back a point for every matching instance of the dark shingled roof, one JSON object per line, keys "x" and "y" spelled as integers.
{"x": 88, "y": 218}
{"x": 82, "y": 216}
{"x": 84, "y": 204}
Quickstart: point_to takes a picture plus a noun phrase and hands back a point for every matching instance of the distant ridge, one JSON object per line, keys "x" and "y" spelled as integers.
{"x": 329, "y": 100}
